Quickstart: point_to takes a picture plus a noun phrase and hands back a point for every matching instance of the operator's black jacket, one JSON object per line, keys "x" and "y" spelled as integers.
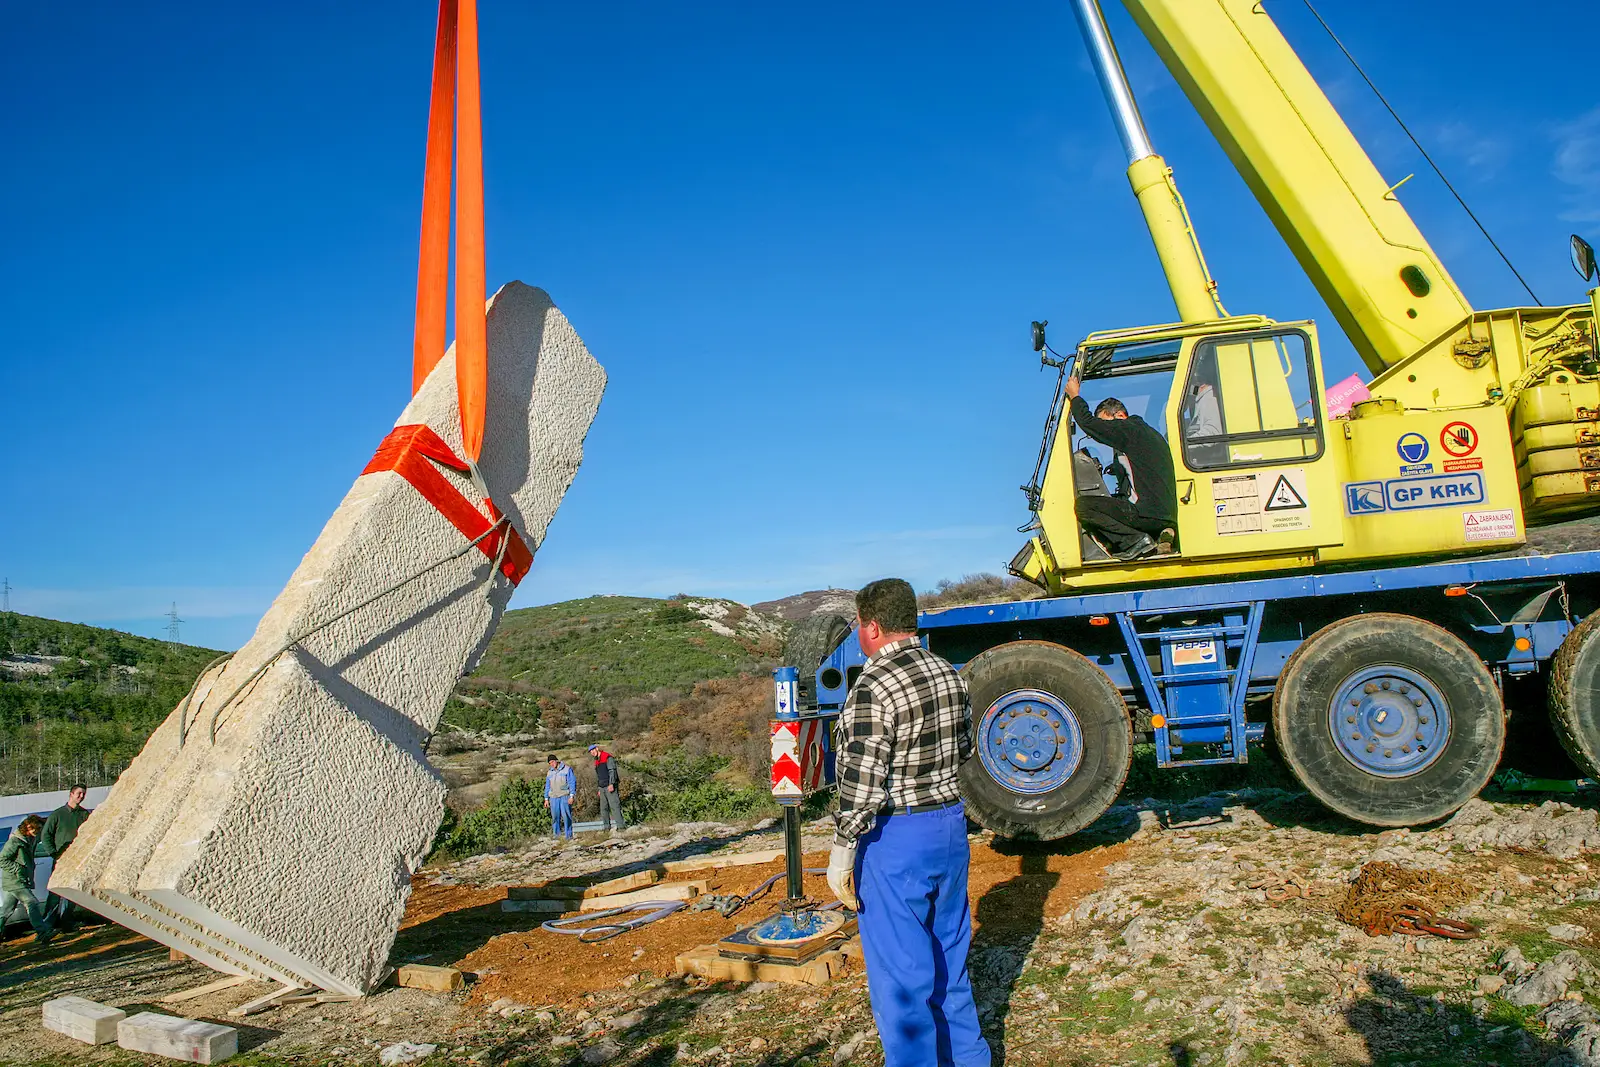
{"x": 1153, "y": 492}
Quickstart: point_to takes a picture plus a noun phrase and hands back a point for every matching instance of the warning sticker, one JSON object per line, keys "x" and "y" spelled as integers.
{"x": 1459, "y": 439}
{"x": 1261, "y": 503}
{"x": 1238, "y": 504}
{"x": 1489, "y": 525}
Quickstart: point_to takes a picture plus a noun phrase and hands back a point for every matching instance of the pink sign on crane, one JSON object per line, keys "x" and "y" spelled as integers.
{"x": 1342, "y": 396}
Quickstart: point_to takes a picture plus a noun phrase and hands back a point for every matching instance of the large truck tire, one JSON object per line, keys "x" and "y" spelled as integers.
{"x": 1575, "y": 695}
{"x": 808, "y": 644}
{"x": 1053, "y": 741}
{"x": 1388, "y": 720}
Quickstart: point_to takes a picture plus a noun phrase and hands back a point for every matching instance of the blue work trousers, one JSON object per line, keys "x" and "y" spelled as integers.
{"x": 561, "y": 817}
{"x": 911, "y": 877}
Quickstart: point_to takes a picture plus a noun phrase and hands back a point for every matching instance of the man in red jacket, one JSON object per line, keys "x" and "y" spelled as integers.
{"x": 605, "y": 780}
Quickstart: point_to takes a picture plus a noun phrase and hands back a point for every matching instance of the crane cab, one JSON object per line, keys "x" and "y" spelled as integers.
{"x": 1266, "y": 478}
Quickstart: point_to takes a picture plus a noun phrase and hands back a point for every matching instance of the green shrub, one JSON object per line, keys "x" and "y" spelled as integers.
{"x": 675, "y": 613}
{"x": 683, "y": 788}
{"x": 516, "y": 814}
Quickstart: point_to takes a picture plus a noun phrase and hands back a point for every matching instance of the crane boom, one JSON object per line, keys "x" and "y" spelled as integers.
{"x": 1194, "y": 291}
{"x": 1338, "y": 215}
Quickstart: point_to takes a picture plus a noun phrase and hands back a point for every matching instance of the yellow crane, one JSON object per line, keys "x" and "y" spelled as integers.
{"x": 1479, "y": 424}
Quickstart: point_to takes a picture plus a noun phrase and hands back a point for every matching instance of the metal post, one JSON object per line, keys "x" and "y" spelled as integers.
{"x": 794, "y": 859}
{"x": 1113, "y": 80}
{"x": 1193, "y": 290}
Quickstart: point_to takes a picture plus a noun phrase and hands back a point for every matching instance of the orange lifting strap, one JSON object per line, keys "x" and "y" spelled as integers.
{"x": 454, "y": 108}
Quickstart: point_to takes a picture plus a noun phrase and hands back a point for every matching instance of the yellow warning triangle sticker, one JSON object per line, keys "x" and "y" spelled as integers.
{"x": 1284, "y": 496}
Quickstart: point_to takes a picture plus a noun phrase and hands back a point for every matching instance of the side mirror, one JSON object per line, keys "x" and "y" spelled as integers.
{"x": 1582, "y": 261}
{"x": 1038, "y": 327}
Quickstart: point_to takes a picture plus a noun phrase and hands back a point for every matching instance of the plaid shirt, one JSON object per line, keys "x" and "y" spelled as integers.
{"x": 903, "y": 734}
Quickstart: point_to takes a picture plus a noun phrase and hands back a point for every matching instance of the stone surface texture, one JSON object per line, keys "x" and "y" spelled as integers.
{"x": 220, "y": 847}
{"x": 83, "y": 1020}
{"x": 178, "y": 1039}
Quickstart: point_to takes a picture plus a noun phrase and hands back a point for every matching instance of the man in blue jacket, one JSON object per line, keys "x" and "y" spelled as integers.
{"x": 559, "y": 786}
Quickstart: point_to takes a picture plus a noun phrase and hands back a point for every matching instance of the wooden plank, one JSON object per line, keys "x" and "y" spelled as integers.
{"x": 567, "y": 891}
{"x": 322, "y": 998}
{"x": 422, "y": 976}
{"x": 541, "y": 907}
{"x": 636, "y": 880}
{"x": 210, "y": 987}
{"x": 721, "y": 860}
{"x": 271, "y": 1000}
{"x": 707, "y": 962}
{"x": 665, "y": 891}
{"x": 546, "y": 892}
{"x": 83, "y": 1020}
{"x": 179, "y": 1039}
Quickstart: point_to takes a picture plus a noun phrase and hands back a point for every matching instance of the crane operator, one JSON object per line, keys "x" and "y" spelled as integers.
{"x": 1131, "y": 523}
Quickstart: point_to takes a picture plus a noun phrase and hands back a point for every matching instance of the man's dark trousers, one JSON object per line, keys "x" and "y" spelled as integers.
{"x": 1117, "y": 521}
{"x": 916, "y": 927}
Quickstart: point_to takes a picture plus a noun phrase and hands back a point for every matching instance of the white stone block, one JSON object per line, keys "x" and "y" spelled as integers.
{"x": 284, "y": 848}
{"x": 83, "y": 1020}
{"x": 178, "y": 1039}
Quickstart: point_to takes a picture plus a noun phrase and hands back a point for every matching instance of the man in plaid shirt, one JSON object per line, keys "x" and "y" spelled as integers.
{"x": 900, "y": 850}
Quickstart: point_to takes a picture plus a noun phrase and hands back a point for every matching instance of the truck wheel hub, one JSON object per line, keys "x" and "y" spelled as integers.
{"x": 1389, "y": 721}
{"x": 1029, "y": 741}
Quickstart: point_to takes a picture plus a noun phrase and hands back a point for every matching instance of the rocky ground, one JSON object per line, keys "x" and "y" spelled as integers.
{"x": 1149, "y": 940}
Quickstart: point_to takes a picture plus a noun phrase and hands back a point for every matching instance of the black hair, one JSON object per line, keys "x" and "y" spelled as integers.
{"x": 1110, "y": 406}
{"x": 553, "y": 759}
{"x": 889, "y": 602}
{"x": 77, "y": 785}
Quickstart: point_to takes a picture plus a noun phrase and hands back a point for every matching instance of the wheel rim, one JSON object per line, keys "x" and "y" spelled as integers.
{"x": 1030, "y": 741}
{"x": 1389, "y": 721}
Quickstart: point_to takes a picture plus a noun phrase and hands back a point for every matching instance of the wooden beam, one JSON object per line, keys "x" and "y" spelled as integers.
{"x": 271, "y": 1000}
{"x": 664, "y": 891}
{"x": 210, "y": 987}
{"x": 718, "y": 861}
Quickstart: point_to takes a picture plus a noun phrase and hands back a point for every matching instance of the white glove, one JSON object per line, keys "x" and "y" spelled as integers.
{"x": 842, "y": 875}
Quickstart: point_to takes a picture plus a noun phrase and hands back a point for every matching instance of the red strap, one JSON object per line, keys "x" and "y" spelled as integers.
{"x": 454, "y": 109}
{"x": 433, "y": 261}
{"x": 411, "y": 452}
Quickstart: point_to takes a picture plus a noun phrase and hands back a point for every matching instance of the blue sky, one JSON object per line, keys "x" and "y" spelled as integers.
{"x": 805, "y": 241}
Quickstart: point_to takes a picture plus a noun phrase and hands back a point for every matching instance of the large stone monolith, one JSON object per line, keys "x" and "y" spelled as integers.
{"x": 283, "y": 846}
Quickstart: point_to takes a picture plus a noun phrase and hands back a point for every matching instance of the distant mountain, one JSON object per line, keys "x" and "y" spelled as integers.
{"x": 805, "y": 605}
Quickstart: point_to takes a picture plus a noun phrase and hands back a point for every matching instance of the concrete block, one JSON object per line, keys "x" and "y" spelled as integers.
{"x": 283, "y": 849}
{"x": 83, "y": 1020}
{"x": 178, "y": 1039}
{"x": 421, "y": 976}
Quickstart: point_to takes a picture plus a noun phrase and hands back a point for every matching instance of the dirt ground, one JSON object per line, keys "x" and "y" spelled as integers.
{"x": 535, "y": 966}
{"x": 507, "y": 958}
{"x": 1154, "y": 939}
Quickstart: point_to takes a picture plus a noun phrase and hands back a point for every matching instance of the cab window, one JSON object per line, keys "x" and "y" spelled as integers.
{"x": 1250, "y": 402}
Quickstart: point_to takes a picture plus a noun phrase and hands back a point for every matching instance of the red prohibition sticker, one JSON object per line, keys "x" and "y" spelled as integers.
{"x": 1458, "y": 439}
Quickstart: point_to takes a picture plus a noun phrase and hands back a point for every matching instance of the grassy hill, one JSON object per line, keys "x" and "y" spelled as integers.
{"x": 578, "y": 660}
{"x": 77, "y": 702}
